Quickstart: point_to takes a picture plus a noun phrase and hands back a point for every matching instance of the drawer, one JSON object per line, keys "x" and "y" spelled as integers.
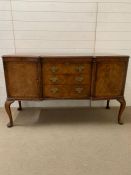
{"x": 67, "y": 79}
{"x": 66, "y": 68}
{"x": 66, "y": 91}
{"x": 79, "y": 91}
{"x": 55, "y": 91}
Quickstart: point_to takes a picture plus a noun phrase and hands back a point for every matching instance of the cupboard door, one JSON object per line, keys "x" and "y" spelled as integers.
{"x": 22, "y": 79}
{"x": 109, "y": 79}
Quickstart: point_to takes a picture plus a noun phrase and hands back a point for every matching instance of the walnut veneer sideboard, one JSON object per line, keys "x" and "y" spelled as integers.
{"x": 65, "y": 77}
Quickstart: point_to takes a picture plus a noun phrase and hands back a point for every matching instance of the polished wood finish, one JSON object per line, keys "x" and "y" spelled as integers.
{"x": 21, "y": 85}
{"x": 109, "y": 79}
{"x": 67, "y": 91}
{"x": 65, "y": 77}
{"x": 66, "y": 68}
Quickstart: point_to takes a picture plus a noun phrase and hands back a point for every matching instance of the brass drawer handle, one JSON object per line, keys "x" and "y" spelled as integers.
{"x": 54, "y": 90}
{"x": 79, "y": 79}
{"x": 54, "y": 79}
{"x": 79, "y": 90}
{"x": 54, "y": 69}
{"x": 79, "y": 68}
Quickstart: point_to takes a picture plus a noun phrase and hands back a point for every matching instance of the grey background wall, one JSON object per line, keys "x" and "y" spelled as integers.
{"x": 65, "y": 27}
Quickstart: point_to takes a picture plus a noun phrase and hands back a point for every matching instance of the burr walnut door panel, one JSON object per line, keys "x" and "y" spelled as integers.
{"x": 22, "y": 79}
{"x": 110, "y": 79}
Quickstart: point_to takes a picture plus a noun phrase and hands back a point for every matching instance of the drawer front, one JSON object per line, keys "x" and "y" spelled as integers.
{"x": 79, "y": 91}
{"x": 67, "y": 79}
{"x": 66, "y": 68}
{"x": 55, "y": 91}
{"x": 66, "y": 91}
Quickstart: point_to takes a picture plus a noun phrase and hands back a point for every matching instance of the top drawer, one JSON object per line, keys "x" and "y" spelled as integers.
{"x": 66, "y": 68}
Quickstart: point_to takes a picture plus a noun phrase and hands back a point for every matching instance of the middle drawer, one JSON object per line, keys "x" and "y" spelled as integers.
{"x": 67, "y": 79}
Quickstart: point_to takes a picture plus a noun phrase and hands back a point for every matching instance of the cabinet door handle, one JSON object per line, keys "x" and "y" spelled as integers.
{"x": 78, "y": 90}
{"x": 79, "y": 68}
{"x": 54, "y": 79}
{"x": 54, "y": 90}
{"x": 54, "y": 69}
{"x": 79, "y": 79}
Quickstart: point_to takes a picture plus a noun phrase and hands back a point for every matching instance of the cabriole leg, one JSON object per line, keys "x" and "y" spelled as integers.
{"x": 107, "y": 106}
{"x": 20, "y": 107}
{"x": 122, "y": 107}
{"x": 8, "y": 110}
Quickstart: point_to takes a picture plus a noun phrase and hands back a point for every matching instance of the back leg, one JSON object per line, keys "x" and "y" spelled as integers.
{"x": 108, "y": 106}
{"x": 20, "y": 107}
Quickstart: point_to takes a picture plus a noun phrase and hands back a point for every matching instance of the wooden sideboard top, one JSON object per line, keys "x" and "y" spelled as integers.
{"x": 57, "y": 58}
{"x": 97, "y": 55}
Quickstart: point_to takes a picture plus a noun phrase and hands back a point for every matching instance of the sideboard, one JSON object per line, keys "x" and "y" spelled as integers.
{"x": 65, "y": 77}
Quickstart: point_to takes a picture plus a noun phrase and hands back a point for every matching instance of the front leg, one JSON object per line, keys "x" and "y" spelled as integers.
{"x": 8, "y": 110}
{"x": 122, "y": 107}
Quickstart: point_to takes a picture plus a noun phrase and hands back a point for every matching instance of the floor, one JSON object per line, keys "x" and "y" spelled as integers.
{"x": 65, "y": 141}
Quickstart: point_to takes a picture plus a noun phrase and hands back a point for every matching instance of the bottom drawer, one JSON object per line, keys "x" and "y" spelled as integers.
{"x": 66, "y": 91}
